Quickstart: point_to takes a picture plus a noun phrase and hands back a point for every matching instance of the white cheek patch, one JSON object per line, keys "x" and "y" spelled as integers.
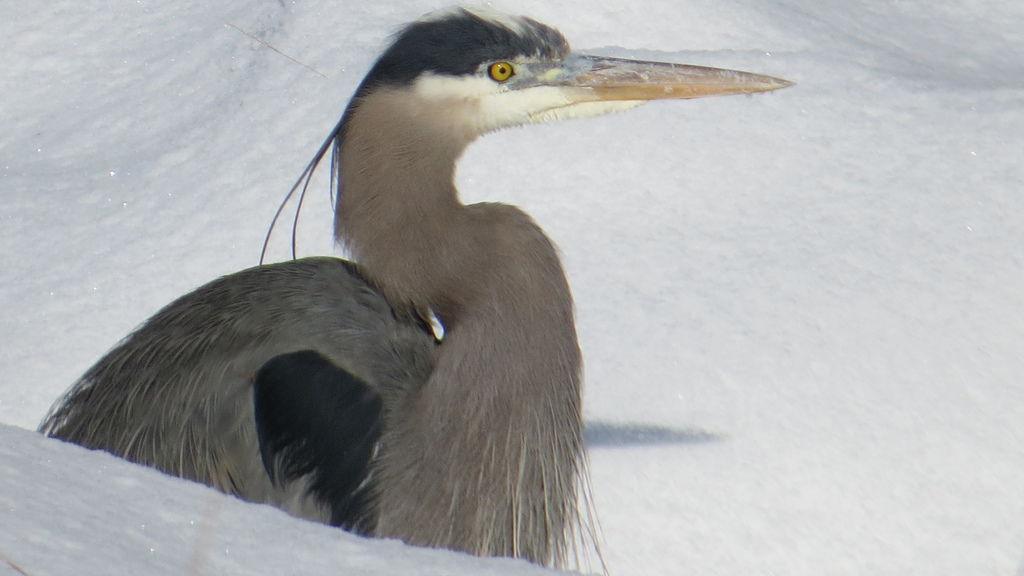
{"x": 438, "y": 88}
{"x": 545, "y": 104}
{"x": 480, "y": 105}
{"x": 517, "y": 107}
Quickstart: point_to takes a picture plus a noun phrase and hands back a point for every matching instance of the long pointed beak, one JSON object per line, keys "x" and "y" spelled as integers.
{"x": 617, "y": 79}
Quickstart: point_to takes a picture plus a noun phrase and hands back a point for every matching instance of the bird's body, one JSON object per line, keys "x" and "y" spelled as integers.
{"x": 166, "y": 403}
{"x": 317, "y": 385}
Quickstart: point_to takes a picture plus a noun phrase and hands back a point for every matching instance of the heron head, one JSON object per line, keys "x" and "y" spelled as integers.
{"x": 470, "y": 72}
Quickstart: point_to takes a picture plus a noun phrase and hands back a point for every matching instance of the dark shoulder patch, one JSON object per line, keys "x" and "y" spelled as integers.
{"x": 313, "y": 418}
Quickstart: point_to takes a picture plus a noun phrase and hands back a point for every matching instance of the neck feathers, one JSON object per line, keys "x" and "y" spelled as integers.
{"x": 494, "y": 437}
{"x": 497, "y": 429}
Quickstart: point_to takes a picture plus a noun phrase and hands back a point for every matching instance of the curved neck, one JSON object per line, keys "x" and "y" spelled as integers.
{"x": 397, "y": 204}
{"x": 487, "y": 455}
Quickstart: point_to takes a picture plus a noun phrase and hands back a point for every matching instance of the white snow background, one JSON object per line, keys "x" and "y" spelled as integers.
{"x": 802, "y": 312}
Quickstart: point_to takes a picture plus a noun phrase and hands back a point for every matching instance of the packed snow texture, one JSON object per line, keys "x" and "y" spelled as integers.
{"x": 802, "y": 313}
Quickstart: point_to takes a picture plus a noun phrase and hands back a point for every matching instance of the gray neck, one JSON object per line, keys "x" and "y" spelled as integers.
{"x": 398, "y": 206}
{"x": 495, "y": 435}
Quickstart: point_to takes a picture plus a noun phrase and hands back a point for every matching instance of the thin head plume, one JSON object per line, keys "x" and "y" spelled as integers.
{"x": 302, "y": 186}
{"x": 307, "y": 174}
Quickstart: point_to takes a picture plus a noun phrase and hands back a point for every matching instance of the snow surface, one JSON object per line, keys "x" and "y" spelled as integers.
{"x": 802, "y": 312}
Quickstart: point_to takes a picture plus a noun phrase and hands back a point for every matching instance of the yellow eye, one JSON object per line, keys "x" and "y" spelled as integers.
{"x": 501, "y": 71}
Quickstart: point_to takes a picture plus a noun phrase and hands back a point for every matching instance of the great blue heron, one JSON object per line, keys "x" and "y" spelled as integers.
{"x": 317, "y": 385}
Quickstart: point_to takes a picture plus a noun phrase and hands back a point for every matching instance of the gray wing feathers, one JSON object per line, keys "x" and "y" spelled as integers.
{"x": 177, "y": 393}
